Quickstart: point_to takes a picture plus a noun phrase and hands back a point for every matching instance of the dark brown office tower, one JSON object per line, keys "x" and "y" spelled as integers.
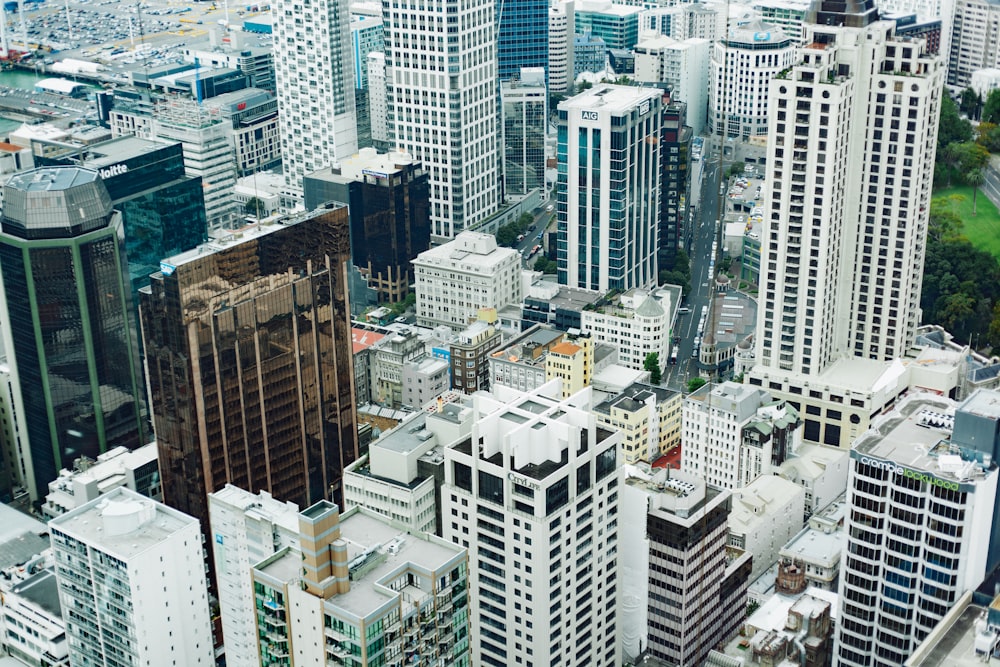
{"x": 248, "y": 346}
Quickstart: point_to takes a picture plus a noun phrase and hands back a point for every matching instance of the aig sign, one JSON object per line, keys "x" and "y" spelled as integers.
{"x": 589, "y": 115}
{"x": 644, "y": 108}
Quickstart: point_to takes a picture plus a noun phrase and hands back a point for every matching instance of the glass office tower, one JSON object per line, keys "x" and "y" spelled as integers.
{"x": 523, "y": 36}
{"x": 67, "y": 312}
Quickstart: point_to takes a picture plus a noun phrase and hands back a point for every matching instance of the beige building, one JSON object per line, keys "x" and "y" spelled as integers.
{"x": 573, "y": 363}
{"x": 649, "y": 418}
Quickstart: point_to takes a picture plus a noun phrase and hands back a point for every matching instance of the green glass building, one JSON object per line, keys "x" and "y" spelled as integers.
{"x": 68, "y": 314}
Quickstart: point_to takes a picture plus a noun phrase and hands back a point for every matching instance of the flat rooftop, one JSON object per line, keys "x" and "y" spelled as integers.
{"x": 916, "y": 435}
{"x": 609, "y": 97}
{"x": 41, "y": 589}
{"x": 153, "y": 523}
{"x": 112, "y": 152}
{"x": 955, "y": 645}
{"x": 49, "y": 179}
{"x": 816, "y": 546}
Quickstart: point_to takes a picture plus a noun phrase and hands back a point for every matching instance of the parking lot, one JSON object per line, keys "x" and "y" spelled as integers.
{"x": 119, "y": 35}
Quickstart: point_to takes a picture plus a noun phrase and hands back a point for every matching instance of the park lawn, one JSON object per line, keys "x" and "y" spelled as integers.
{"x": 982, "y": 229}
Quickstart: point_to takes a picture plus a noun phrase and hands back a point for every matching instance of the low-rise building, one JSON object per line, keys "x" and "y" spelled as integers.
{"x": 137, "y": 470}
{"x": 819, "y": 469}
{"x": 766, "y": 514}
{"x": 469, "y": 357}
{"x": 424, "y": 380}
{"x": 812, "y": 557}
{"x": 649, "y": 418}
{"x": 523, "y": 362}
{"x": 31, "y": 622}
{"x": 454, "y": 281}
{"x": 638, "y": 322}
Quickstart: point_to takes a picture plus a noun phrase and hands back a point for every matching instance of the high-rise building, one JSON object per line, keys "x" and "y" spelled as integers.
{"x": 68, "y": 319}
{"x": 137, "y": 469}
{"x": 683, "y": 66}
{"x": 522, "y": 36}
{"x": 131, "y": 575}
{"x": 358, "y": 589}
{"x": 315, "y": 86}
{"x": 246, "y": 529}
{"x": 615, "y": 23}
{"x": 608, "y": 206}
{"x": 920, "y": 523}
{"x": 743, "y": 64}
{"x": 561, "y": 37}
{"x": 675, "y": 184}
{"x": 531, "y": 492}
{"x": 248, "y": 349}
{"x": 525, "y": 118}
{"x": 846, "y": 220}
{"x": 388, "y": 197}
{"x": 974, "y": 42}
{"x": 684, "y": 591}
{"x": 442, "y": 85}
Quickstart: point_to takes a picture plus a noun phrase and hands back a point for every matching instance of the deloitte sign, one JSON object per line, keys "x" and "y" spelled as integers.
{"x": 894, "y": 469}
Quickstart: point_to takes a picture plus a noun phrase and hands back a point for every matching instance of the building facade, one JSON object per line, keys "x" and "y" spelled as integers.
{"x": 469, "y": 358}
{"x": 443, "y": 105}
{"x": 561, "y": 37}
{"x": 919, "y": 524}
{"x": 248, "y": 347}
{"x": 316, "y": 88}
{"x": 137, "y": 470}
{"x": 638, "y": 322}
{"x": 843, "y": 245}
{"x": 742, "y": 66}
{"x": 68, "y": 319}
{"x": 649, "y": 418}
{"x": 363, "y": 590}
{"x": 675, "y": 198}
{"x": 522, "y": 37}
{"x": 119, "y": 556}
{"x": 684, "y": 591}
{"x": 525, "y": 117}
{"x": 455, "y": 280}
{"x": 683, "y": 66}
{"x": 538, "y": 513}
{"x": 604, "y": 243}
{"x": 388, "y": 197}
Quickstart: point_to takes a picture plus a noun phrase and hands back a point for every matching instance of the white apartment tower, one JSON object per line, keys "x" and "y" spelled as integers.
{"x": 532, "y": 493}
{"x": 561, "y": 37}
{"x": 315, "y": 85}
{"x": 246, "y": 529}
{"x": 441, "y": 74}
{"x": 743, "y": 65}
{"x": 132, "y": 584}
{"x": 608, "y": 190}
{"x": 850, "y": 165}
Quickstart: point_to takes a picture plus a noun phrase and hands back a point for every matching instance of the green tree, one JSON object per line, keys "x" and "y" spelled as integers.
{"x": 970, "y": 103}
{"x": 254, "y": 207}
{"x": 991, "y": 109}
{"x": 975, "y": 178}
{"x": 952, "y": 128}
{"x": 970, "y": 155}
{"x": 943, "y": 223}
{"x": 652, "y": 364}
{"x": 694, "y": 384}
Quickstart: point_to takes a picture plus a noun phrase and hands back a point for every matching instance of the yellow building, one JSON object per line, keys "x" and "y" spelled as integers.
{"x": 573, "y": 363}
{"x": 649, "y": 418}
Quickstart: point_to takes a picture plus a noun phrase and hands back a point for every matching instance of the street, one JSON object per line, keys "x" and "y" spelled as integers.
{"x": 699, "y": 247}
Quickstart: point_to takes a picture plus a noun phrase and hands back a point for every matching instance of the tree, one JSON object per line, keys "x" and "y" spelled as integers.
{"x": 970, "y": 155}
{"x": 991, "y": 109}
{"x": 944, "y": 224}
{"x": 254, "y": 207}
{"x": 694, "y": 384}
{"x": 970, "y": 103}
{"x": 975, "y": 178}
{"x": 952, "y": 128}
{"x": 652, "y": 364}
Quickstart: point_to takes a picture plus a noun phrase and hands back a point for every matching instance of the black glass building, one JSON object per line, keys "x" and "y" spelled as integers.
{"x": 68, "y": 304}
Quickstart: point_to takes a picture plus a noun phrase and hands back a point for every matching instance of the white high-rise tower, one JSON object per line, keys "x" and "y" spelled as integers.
{"x": 441, "y": 75}
{"x": 850, "y": 166}
{"x": 315, "y": 84}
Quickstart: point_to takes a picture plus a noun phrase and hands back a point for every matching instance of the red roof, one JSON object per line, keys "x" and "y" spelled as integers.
{"x": 362, "y": 338}
{"x": 10, "y": 148}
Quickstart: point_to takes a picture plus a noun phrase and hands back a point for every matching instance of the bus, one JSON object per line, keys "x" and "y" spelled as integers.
{"x": 673, "y": 356}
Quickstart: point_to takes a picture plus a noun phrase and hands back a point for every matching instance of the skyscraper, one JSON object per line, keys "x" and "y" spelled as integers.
{"x": 522, "y": 37}
{"x": 850, "y": 166}
{"x": 532, "y": 493}
{"x": 131, "y": 575}
{"x": 315, "y": 84}
{"x": 248, "y": 348}
{"x": 443, "y": 97}
{"x": 68, "y": 318}
{"x": 920, "y": 524}
{"x": 608, "y": 190}
{"x": 525, "y": 117}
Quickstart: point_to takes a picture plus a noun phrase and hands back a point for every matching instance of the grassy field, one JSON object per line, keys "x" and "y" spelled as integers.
{"x": 982, "y": 229}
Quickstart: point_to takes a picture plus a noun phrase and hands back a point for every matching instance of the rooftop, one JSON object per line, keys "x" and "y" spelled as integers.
{"x": 815, "y": 546}
{"x": 765, "y": 495}
{"x": 470, "y": 251}
{"x": 773, "y": 613}
{"x": 115, "y": 151}
{"x": 42, "y": 590}
{"x": 610, "y": 97}
{"x": 961, "y": 639}
{"x": 122, "y": 523}
{"x": 916, "y": 435}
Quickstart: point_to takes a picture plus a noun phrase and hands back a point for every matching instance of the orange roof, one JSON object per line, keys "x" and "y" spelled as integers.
{"x": 10, "y": 148}
{"x": 565, "y": 348}
{"x": 362, "y": 338}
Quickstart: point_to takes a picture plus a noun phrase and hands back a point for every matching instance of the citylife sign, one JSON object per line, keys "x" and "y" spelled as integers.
{"x": 892, "y": 468}
{"x": 113, "y": 170}
{"x": 523, "y": 481}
